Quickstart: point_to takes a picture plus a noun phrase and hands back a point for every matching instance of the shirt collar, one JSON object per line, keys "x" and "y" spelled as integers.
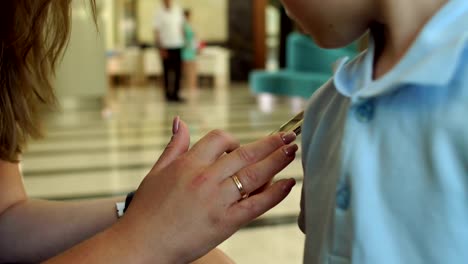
{"x": 432, "y": 59}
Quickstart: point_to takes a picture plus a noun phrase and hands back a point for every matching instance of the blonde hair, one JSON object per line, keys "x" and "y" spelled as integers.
{"x": 33, "y": 36}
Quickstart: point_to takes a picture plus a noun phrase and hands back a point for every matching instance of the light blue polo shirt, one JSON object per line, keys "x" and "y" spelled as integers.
{"x": 386, "y": 161}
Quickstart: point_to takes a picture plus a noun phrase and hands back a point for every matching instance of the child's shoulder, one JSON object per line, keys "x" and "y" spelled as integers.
{"x": 447, "y": 42}
{"x": 459, "y": 78}
{"x": 463, "y": 64}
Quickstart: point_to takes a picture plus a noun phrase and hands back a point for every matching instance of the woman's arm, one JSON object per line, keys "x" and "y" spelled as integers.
{"x": 34, "y": 230}
{"x": 186, "y": 206}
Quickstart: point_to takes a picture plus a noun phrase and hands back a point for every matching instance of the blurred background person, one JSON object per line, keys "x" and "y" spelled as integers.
{"x": 189, "y": 53}
{"x": 168, "y": 27}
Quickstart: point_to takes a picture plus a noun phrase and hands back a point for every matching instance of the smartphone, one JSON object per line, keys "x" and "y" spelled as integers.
{"x": 295, "y": 124}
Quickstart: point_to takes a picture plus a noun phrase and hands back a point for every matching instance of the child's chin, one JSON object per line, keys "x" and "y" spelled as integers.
{"x": 328, "y": 43}
{"x": 332, "y": 42}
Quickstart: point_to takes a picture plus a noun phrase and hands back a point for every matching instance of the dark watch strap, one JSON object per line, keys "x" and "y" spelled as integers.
{"x": 128, "y": 200}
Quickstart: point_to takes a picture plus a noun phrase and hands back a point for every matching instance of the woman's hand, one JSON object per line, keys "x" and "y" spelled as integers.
{"x": 188, "y": 203}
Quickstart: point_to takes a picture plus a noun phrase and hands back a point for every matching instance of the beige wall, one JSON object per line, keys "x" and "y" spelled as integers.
{"x": 107, "y": 29}
{"x": 210, "y": 18}
{"x": 81, "y": 73}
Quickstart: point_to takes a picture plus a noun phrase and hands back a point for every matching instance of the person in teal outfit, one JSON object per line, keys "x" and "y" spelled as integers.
{"x": 189, "y": 53}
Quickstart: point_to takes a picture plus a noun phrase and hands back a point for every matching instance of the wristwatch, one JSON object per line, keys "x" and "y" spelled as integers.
{"x": 123, "y": 206}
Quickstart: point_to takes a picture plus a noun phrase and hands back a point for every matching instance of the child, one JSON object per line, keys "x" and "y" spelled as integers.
{"x": 385, "y": 144}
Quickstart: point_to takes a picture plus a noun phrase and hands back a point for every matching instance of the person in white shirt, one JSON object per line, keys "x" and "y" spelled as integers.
{"x": 168, "y": 27}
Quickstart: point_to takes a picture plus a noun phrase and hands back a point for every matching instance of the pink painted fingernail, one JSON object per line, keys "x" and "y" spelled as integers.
{"x": 175, "y": 125}
{"x": 290, "y": 183}
{"x": 289, "y": 137}
{"x": 290, "y": 150}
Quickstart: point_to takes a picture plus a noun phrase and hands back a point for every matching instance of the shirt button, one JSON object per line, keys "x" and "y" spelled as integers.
{"x": 343, "y": 197}
{"x": 365, "y": 111}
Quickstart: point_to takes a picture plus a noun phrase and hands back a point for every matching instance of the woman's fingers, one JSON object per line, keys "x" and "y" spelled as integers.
{"x": 255, "y": 176}
{"x": 244, "y": 156}
{"x": 193, "y": 193}
{"x": 246, "y": 210}
{"x": 208, "y": 149}
{"x": 178, "y": 145}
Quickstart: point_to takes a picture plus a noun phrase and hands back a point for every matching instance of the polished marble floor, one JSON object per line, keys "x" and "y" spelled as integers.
{"x": 85, "y": 155}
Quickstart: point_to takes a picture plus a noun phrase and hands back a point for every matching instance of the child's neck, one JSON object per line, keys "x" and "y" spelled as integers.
{"x": 399, "y": 23}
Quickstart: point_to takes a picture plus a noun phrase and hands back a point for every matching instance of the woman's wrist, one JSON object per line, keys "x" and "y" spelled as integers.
{"x": 131, "y": 238}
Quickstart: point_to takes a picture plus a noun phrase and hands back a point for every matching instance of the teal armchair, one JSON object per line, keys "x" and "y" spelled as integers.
{"x": 307, "y": 68}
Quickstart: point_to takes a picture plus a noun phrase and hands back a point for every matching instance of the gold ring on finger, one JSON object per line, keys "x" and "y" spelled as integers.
{"x": 240, "y": 187}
